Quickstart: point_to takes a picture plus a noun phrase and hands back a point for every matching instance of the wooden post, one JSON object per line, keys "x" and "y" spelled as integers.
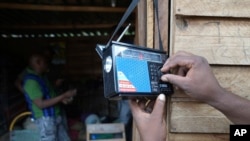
{"x": 150, "y": 24}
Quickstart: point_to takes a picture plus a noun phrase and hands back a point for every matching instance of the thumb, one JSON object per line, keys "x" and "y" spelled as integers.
{"x": 159, "y": 105}
{"x": 174, "y": 79}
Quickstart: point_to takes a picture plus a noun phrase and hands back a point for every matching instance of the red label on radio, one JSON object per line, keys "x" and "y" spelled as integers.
{"x": 126, "y": 86}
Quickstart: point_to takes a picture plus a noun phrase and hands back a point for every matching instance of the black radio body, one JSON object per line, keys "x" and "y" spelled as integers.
{"x": 132, "y": 71}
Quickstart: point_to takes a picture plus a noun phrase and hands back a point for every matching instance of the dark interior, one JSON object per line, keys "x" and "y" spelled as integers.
{"x": 71, "y": 29}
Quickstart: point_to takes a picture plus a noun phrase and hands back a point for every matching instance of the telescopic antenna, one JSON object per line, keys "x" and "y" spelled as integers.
{"x": 124, "y": 31}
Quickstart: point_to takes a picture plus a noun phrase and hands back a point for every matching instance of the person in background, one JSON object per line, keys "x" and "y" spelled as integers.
{"x": 43, "y": 101}
{"x": 190, "y": 73}
{"x": 53, "y": 72}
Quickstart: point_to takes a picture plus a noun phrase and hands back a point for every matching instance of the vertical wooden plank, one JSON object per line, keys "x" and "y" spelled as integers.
{"x": 150, "y": 24}
{"x": 164, "y": 24}
{"x": 172, "y": 28}
{"x": 136, "y": 136}
{"x": 141, "y": 18}
{"x": 168, "y": 117}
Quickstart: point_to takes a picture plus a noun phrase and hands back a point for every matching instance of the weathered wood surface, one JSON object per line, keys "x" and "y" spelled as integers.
{"x": 150, "y": 24}
{"x": 196, "y": 117}
{"x": 198, "y": 137}
{"x": 221, "y": 41}
{"x": 220, "y": 8}
{"x": 164, "y": 25}
{"x": 141, "y": 22}
{"x": 220, "y": 31}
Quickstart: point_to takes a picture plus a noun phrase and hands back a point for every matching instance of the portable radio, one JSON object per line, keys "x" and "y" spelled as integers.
{"x": 130, "y": 70}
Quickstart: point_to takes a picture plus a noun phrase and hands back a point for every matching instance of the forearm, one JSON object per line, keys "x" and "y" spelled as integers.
{"x": 233, "y": 106}
{"x": 41, "y": 103}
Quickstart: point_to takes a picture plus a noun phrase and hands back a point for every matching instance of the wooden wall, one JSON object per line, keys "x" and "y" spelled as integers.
{"x": 219, "y": 31}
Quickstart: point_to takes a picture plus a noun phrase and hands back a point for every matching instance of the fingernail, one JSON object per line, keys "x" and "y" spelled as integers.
{"x": 164, "y": 78}
{"x": 162, "y": 97}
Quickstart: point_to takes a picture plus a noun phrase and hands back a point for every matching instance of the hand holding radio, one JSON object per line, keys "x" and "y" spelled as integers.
{"x": 193, "y": 75}
{"x": 151, "y": 125}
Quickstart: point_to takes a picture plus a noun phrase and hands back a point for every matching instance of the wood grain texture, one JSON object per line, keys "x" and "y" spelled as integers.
{"x": 163, "y": 22}
{"x": 150, "y": 24}
{"x": 198, "y": 137}
{"x": 141, "y": 21}
{"x": 196, "y": 117}
{"x": 221, "y": 41}
{"x": 220, "y": 8}
{"x": 232, "y": 78}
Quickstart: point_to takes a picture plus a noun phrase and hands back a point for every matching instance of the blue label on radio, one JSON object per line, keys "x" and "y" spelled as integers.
{"x": 132, "y": 75}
